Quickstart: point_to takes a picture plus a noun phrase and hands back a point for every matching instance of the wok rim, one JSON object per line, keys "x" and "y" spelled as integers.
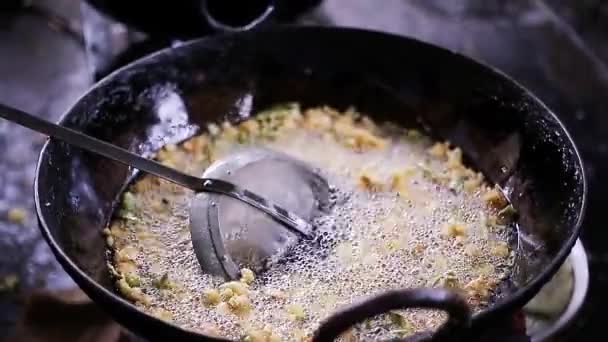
{"x": 514, "y": 301}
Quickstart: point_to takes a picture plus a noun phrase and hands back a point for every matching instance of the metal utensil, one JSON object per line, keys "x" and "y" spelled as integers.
{"x": 288, "y": 219}
{"x": 228, "y": 235}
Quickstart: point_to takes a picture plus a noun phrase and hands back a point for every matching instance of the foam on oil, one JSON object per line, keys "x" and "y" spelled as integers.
{"x": 370, "y": 242}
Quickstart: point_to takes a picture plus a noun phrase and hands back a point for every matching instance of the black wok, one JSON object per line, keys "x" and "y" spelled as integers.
{"x": 504, "y": 131}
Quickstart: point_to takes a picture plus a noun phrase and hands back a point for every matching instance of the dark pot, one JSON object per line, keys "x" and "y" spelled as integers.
{"x": 504, "y": 131}
{"x": 194, "y": 18}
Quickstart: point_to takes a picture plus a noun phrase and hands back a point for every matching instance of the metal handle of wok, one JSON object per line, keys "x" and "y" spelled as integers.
{"x": 454, "y": 329}
{"x": 236, "y": 15}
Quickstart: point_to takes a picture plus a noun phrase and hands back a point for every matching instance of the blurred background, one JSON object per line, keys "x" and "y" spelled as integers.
{"x": 51, "y": 51}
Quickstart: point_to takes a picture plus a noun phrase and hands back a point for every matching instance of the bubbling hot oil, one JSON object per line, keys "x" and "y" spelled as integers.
{"x": 371, "y": 241}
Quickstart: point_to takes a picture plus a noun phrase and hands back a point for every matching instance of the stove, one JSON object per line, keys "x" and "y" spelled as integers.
{"x": 556, "y": 307}
{"x": 556, "y": 48}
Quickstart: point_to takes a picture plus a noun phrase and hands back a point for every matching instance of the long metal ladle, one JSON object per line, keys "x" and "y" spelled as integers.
{"x": 288, "y": 219}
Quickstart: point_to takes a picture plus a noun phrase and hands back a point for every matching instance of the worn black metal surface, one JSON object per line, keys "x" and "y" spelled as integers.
{"x": 455, "y": 328}
{"x": 503, "y": 130}
{"x": 190, "y": 18}
{"x": 44, "y": 71}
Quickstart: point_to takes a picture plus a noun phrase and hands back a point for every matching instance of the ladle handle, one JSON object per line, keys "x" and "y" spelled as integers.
{"x": 123, "y": 156}
{"x": 100, "y": 147}
{"x": 458, "y": 322}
